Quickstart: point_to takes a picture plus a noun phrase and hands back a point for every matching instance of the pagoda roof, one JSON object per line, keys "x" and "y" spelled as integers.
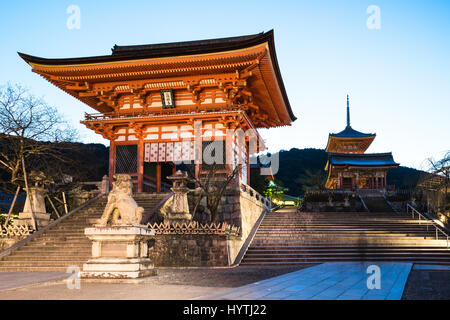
{"x": 361, "y": 160}
{"x": 357, "y": 141}
{"x": 349, "y": 132}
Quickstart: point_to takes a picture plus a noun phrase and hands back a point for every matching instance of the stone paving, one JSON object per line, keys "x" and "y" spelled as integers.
{"x": 433, "y": 267}
{"x": 11, "y": 280}
{"x": 328, "y": 281}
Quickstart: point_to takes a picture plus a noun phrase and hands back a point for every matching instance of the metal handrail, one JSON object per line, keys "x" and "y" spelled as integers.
{"x": 363, "y": 203}
{"x": 433, "y": 223}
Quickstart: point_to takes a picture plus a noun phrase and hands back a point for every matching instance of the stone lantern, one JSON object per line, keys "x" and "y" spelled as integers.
{"x": 34, "y": 205}
{"x": 179, "y": 212}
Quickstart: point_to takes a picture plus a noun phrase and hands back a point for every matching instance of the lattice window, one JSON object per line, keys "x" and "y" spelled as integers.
{"x": 126, "y": 159}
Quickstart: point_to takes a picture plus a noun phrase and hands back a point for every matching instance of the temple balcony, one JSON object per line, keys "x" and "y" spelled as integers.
{"x": 146, "y": 113}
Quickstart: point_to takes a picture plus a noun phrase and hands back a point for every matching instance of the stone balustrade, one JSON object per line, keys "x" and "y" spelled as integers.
{"x": 256, "y": 195}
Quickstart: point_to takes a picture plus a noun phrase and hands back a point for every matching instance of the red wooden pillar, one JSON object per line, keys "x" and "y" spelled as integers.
{"x": 229, "y": 152}
{"x": 158, "y": 177}
{"x": 140, "y": 166}
{"x": 174, "y": 167}
{"x": 198, "y": 145}
{"x": 112, "y": 161}
{"x": 248, "y": 162}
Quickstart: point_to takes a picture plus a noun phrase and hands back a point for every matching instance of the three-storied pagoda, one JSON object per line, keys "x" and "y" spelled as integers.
{"x": 349, "y": 167}
{"x": 159, "y": 104}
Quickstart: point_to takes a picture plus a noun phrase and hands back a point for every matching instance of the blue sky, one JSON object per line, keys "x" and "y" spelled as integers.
{"x": 398, "y": 77}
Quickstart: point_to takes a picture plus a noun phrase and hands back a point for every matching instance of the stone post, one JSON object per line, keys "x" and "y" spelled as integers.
{"x": 35, "y": 201}
{"x": 346, "y": 203}
{"x": 179, "y": 212}
{"x": 105, "y": 185}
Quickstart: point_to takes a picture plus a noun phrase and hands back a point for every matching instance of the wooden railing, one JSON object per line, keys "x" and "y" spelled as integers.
{"x": 150, "y": 113}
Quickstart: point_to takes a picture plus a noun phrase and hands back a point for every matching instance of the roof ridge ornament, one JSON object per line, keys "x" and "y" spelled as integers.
{"x": 348, "y": 114}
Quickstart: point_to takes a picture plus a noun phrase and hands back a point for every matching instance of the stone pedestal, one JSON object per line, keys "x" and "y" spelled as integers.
{"x": 119, "y": 252}
{"x": 35, "y": 200}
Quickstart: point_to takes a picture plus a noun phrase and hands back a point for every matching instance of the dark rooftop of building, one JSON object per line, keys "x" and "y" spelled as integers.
{"x": 364, "y": 159}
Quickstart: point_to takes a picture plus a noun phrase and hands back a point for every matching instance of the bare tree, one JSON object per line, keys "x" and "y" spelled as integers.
{"x": 433, "y": 185}
{"x": 440, "y": 169}
{"x": 212, "y": 186}
{"x": 31, "y": 134}
{"x": 29, "y": 129}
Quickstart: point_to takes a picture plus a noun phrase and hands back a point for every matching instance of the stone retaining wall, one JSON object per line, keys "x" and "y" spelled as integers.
{"x": 9, "y": 242}
{"x": 241, "y": 209}
{"x": 190, "y": 250}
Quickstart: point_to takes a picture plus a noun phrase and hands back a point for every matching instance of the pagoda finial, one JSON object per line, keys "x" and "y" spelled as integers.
{"x": 348, "y": 113}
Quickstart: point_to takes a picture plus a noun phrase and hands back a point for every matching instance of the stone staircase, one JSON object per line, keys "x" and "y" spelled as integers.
{"x": 65, "y": 244}
{"x": 286, "y": 237}
{"x": 376, "y": 203}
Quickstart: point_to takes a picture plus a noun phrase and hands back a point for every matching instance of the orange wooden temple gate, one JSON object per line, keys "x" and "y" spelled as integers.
{"x": 161, "y": 104}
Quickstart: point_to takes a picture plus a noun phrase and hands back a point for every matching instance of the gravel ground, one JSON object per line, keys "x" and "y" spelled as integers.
{"x": 229, "y": 277}
{"x": 427, "y": 285}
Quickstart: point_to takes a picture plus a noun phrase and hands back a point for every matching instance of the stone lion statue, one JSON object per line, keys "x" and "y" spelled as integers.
{"x": 121, "y": 205}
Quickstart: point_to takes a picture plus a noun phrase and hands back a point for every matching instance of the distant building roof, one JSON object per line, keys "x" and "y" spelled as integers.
{"x": 362, "y": 160}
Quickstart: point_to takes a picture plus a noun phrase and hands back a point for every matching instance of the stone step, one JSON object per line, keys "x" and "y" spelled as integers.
{"x": 56, "y": 246}
{"x": 68, "y": 232}
{"x": 283, "y": 249}
{"x": 381, "y": 242}
{"x": 353, "y": 259}
{"x": 53, "y": 257}
{"x": 345, "y": 231}
{"x": 329, "y": 222}
{"x": 404, "y": 244}
{"x": 62, "y": 237}
{"x": 42, "y": 263}
{"x": 331, "y": 236}
{"x": 52, "y": 252}
{"x": 345, "y": 254}
{"x": 61, "y": 245}
{"x": 37, "y": 269}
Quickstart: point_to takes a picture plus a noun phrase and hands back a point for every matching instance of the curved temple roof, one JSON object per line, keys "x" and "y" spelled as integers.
{"x": 55, "y": 70}
{"x": 349, "y": 132}
{"x": 361, "y": 160}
